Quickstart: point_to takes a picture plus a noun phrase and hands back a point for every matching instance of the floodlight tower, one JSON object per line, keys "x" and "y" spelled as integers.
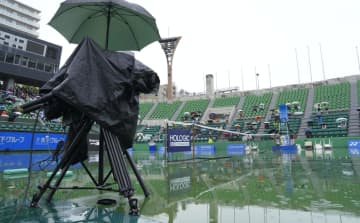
{"x": 169, "y": 45}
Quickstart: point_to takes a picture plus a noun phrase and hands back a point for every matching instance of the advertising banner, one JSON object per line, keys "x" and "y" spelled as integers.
{"x": 93, "y": 142}
{"x": 161, "y": 150}
{"x": 40, "y": 161}
{"x": 283, "y": 113}
{"x": 205, "y": 150}
{"x": 354, "y": 147}
{"x": 236, "y": 149}
{"x": 179, "y": 180}
{"x": 22, "y": 140}
{"x": 179, "y": 140}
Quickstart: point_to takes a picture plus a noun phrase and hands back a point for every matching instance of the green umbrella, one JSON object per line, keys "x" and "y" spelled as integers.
{"x": 113, "y": 24}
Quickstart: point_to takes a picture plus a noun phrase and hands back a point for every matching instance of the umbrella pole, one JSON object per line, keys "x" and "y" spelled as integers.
{"x": 107, "y": 27}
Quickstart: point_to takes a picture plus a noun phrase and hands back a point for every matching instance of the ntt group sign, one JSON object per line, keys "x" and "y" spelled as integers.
{"x": 179, "y": 140}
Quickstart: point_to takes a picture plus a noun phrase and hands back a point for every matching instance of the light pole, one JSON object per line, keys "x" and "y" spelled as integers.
{"x": 357, "y": 56}
{"x": 322, "y": 61}
{"x": 242, "y": 78}
{"x": 269, "y": 75}
{"x": 308, "y": 50}
{"x": 297, "y": 65}
{"x": 169, "y": 45}
{"x": 257, "y": 81}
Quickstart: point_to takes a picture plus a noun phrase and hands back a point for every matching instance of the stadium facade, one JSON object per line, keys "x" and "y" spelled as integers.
{"x": 24, "y": 58}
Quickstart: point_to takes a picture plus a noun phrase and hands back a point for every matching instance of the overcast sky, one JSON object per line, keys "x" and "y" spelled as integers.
{"x": 234, "y": 39}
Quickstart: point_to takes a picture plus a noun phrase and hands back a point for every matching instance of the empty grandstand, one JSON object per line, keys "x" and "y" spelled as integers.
{"x": 324, "y": 109}
{"x": 193, "y": 108}
{"x": 165, "y": 110}
{"x": 144, "y": 109}
{"x": 254, "y": 112}
{"x": 332, "y": 96}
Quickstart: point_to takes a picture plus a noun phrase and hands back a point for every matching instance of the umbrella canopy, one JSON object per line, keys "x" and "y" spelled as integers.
{"x": 113, "y": 24}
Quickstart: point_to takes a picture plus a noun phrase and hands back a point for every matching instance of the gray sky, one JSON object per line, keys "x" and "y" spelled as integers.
{"x": 236, "y": 38}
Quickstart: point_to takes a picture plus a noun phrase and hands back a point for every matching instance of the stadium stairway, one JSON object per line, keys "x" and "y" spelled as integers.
{"x": 173, "y": 118}
{"x": 147, "y": 116}
{"x": 205, "y": 117}
{"x": 236, "y": 113}
{"x": 307, "y": 113}
{"x": 268, "y": 114}
{"x": 354, "y": 129}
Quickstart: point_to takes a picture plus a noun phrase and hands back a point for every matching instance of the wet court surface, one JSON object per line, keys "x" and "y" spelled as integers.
{"x": 256, "y": 187}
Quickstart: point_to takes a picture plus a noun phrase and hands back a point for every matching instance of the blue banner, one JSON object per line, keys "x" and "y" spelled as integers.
{"x": 40, "y": 161}
{"x": 283, "y": 113}
{"x": 22, "y": 140}
{"x": 286, "y": 149}
{"x": 354, "y": 147}
{"x": 152, "y": 147}
{"x": 178, "y": 140}
{"x": 161, "y": 150}
{"x": 236, "y": 149}
{"x": 205, "y": 149}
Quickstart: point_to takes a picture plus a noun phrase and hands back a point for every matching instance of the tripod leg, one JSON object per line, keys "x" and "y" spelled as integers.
{"x": 117, "y": 163}
{"x": 137, "y": 174}
{"x": 64, "y": 161}
{"x": 36, "y": 197}
{"x": 134, "y": 210}
{"x": 119, "y": 169}
{"x": 58, "y": 181}
{"x": 101, "y": 159}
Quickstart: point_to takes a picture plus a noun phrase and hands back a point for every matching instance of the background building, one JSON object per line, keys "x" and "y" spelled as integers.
{"x": 210, "y": 85}
{"x": 24, "y": 58}
{"x": 20, "y": 17}
{"x": 163, "y": 91}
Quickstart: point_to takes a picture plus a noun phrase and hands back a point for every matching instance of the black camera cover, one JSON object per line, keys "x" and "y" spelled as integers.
{"x": 103, "y": 85}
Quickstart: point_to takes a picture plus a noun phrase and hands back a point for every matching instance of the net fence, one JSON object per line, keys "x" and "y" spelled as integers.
{"x": 204, "y": 138}
{"x": 216, "y": 131}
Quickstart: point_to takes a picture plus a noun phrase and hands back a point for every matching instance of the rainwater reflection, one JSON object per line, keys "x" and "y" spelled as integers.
{"x": 310, "y": 186}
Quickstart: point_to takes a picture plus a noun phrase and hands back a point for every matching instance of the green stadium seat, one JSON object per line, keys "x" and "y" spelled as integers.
{"x": 198, "y": 106}
{"x": 165, "y": 110}
{"x": 226, "y": 101}
{"x": 336, "y": 95}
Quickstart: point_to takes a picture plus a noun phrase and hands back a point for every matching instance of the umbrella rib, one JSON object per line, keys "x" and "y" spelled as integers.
{"x": 92, "y": 16}
{"x": 77, "y": 30}
{"x": 138, "y": 15}
{"x": 75, "y": 6}
{"x": 131, "y": 30}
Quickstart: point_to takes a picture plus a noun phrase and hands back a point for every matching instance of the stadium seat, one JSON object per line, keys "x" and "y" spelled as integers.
{"x": 165, "y": 110}
{"x": 198, "y": 106}
{"x": 226, "y": 101}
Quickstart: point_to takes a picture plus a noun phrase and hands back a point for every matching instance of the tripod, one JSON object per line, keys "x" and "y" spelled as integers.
{"x": 116, "y": 156}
